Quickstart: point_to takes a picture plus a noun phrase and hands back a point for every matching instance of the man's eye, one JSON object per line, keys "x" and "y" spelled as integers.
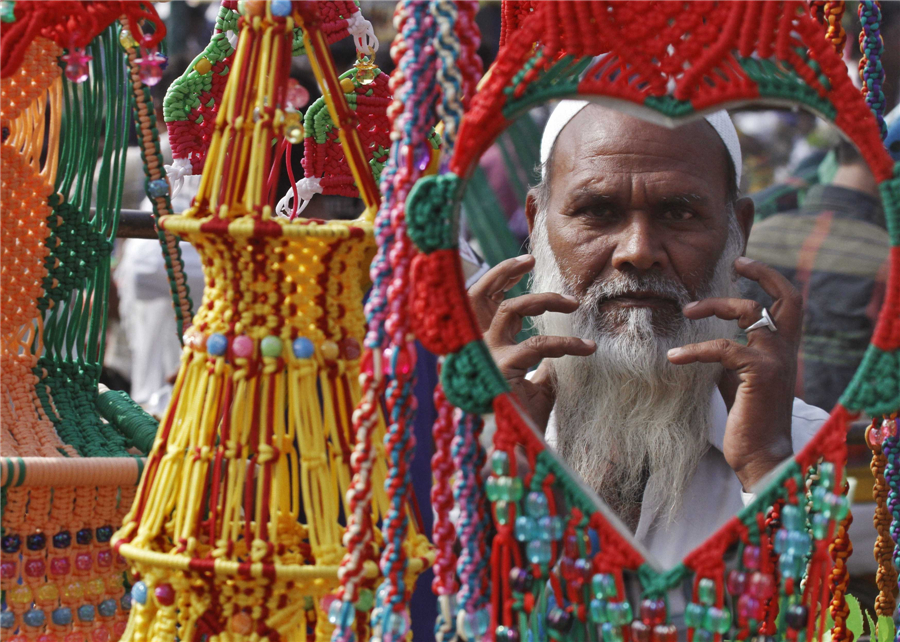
{"x": 597, "y": 212}
{"x": 678, "y": 214}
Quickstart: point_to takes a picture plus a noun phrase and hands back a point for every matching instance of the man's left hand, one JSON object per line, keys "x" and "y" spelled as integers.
{"x": 759, "y": 379}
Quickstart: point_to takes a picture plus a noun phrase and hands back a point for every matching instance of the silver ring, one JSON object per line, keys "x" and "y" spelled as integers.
{"x": 765, "y": 322}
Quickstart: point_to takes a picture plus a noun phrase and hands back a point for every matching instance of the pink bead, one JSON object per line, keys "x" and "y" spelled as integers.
{"x": 100, "y": 635}
{"x": 60, "y": 566}
{"x": 653, "y": 611}
{"x": 242, "y": 347}
{"x": 47, "y": 637}
{"x": 748, "y": 607}
{"x": 83, "y": 562}
{"x": 751, "y": 557}
{"x": 165, "y": 594}
{"x": 119, "y": 629}
{"x": 104, "y": 559}
{"x": 35, "y": 568}
{"x": 737, "y": 582}
{"x": 296, "y": 95}
{"x": 877, "y": 434}
{"x": 9, "y": 570}
{"x": 325, "y": 603}
{"x": 762, "y": 586}
{"x": 350, "y": 348}
{"x": 889, "y": 427}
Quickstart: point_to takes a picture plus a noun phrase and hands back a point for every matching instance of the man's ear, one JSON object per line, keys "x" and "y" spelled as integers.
{"x": 744, "y": 210}
{"x": 530, "y": 209}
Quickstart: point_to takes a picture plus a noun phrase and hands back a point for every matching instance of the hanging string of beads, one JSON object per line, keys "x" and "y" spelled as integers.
{"x": 871, "y": 71}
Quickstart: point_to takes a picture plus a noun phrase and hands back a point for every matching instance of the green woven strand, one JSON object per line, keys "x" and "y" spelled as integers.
{"x": 138, "y": 426}
{"x": 429, "y": 212}
{"x": 471, "y": 379}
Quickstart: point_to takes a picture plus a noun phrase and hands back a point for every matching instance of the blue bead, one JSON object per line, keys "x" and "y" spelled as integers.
{"x": 536, "y": 504}
{"x": 86, "y": 613}
{"x": 34, "y": 617}
{"x": 798, "y": 542}
{"x": 476, "y": 624}
{"x": 550, "y": 528}
{"x": 62, "y": 539}
{"x": 11, "y": 543}
{"x": 539, "y": 551}
{"x": 62, "y": 616}
{"x": 139, "y": 592}
{"x": 791, "y": 517}
{"x": 7, "y": 619}
{"x": 216, "y": 344}
{"x": 158, "y": 188}
{"x": 526, "y": 528}
{"x": 281, "y": 8}
{"x": 125, "y": 602}
{"x": 107, "y": 608}
{"x": 303, "y": 348}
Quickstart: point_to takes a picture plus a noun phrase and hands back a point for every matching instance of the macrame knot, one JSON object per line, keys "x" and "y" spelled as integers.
{"x": 471, "y": 379}
{"x": 429, "y": 212}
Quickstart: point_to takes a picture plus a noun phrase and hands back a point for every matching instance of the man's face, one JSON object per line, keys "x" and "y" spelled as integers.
{"x": 632, "y": 199}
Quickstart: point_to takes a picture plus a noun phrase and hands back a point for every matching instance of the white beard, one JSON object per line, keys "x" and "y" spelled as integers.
{"x": 628, "y": 420}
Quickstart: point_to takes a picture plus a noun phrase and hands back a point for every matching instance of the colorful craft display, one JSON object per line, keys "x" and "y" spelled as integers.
{"x": 558, "y": 566}
{"x": 235, "y": 530}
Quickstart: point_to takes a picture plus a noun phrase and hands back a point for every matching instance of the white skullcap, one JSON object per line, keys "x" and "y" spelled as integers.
{"x": 568, "y": 109}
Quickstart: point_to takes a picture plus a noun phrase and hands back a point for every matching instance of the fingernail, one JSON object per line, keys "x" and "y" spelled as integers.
{"x": 743, "y": 261}
{"x": 690, "y": 305}
{"x": 569, "y": 297}
{"x": 589, "y": 343}
{"x": 522, "y": 258}
{"x": 675, "y": 352}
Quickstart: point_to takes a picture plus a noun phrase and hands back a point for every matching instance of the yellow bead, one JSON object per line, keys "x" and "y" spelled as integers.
{"x": 293, "y": 128}
{"x": 329, "y": 350}
{"x": 203, "y": 66}
{"x": 127, "y": 40}
{"x": 73, "y": 591}
{"x": 48, "y": 593}
{"x": 114, "y": 582}
{"x": 20, "y": 595}
{"x": 95, "y": 588}
{"x": 347, "y": 85}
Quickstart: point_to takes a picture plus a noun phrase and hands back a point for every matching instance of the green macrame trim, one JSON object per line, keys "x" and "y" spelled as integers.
{"x": 138, "y": 426}
{"x": 875, "y": 387}
{"x": 182, "y": 97}
{"x": 890, "y": 201}
{"x": 317, "y": 122}
{"x": 780, "y": 81}
{"x": 471, "y": 379}
{"x": 560, "y": 80}
{"x": 429, "y": 212}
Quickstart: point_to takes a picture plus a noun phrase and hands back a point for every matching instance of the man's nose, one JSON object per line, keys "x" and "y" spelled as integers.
{"x": 638, "y": 245}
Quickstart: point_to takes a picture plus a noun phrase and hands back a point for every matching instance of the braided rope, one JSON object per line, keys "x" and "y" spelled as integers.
{"x": 871, "y": 72}
{"x": 886, "y": 576}
{"x": 834, "y": 13}
{"x": 841, "y": 549}
{"x": 891, "y": 449}
{"x": 449, "y": 76}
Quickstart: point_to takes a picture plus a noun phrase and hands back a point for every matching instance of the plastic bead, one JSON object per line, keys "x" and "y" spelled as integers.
{"x": 500, "y": 463}
{"x": 104, "y": 534}
{"x": 84, "y": 562}
{"x": 19, "y": 595}
{"x": 34, "y": 617}
{"x": 604, "y": 586}
{"x": 296, "y": 96}
{"x": 48, "y": 592}
{"x": 694, "y": 615}
{"x": 151, "y": 68}
{"x": 641, "y": 632}
{"x": 476, "y": 624}
{"x": 86, "y": 613}
{"x": 165, "y": 594}
{"x": 125, "y": 602}
{"x": 619, "y": 613}
{"x": 506, "y": 634}
{"x": 84, "y": 536}
{"x": 751, "y": 557}
{"x": 748, "y": 607}
{"x": 539, "y": 552}
{"x": 35, "y": 568}
{"x": 7, "y": 619}
{"x": 736, "y": 583}
{"x": 365, "y": 600}
{"x": 550, "y": 528}
{"x": 350, "y": 349}
{"x": 73, "y": 592}
{"x": 11, "y": 543}
{"x": 347, "y": 85}
{"x": 100, "y": 634}
{"x": 559, "y": 620}
{"x": 706, "y": 591}
{"x": 762, "y": 586}
{"x": 665, "y": 633}
{"x": 791, "y": 565}
{"x": 139, "y": 592}
{"x": 303, "y": 348}
{"x": 792, "y": 517}
{"x": 798, "y": 617}
{"x": 653, "y": 611}
{"x": 271, "y": 346}
{"x": 598, "y": 611}
{"x": 62, "y": 616}
{"x": 7, "y": 11}
{"x": 216, "y": 344}
{"x": 702, "y": 635}
{"x": 77, "y": 69}
{"x": 104, "y": 558}
{"x": 241, "y": 623}
{"x": 107, "y": 608}
{"x": 280, "y": 8}
{"x": 60, "y": 566}
{"x": 501, "y": 512}
{"x": 820, "y": 525}
{"x": 62, "y": 539}
{"x": 293, "y": 128}
{"x": 536, "y": 504}
{"x": 611, "y": 633}
{"x": 520, "y": 580}
{"x": 826, "y": 475}
{"x": 717, "y": 620}
{"x": 9, "y": 570}
{"x": 37, "y": 542}
{"x": 158, "y": 188}
{"x": 329, "y": 350}
{"x": 242, "y": 347}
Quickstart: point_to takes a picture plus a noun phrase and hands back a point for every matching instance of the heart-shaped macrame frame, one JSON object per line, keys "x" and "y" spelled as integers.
{"x": 669, "y": 62}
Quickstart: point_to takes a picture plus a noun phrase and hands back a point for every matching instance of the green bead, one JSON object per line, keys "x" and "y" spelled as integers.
{"x": 820, "y": 525}
{"x": 514, "y": 488}
{"x": 501, "y": 512}
{"x": 598, "y": 611}
{"x": 500, "y": 463}
{"x": 818, "y": 498}
{"x": 270, "y": 346}
{"x": 492, "y": 489}
{"x": 611, "y": 633}
{"x": 604, "y": 586}
{"x": 536, "y": 504}
{"x": 539, "y": 551}
{"x": 619, "y": 613}
{"x": 792, "y": 517}
{"x": 526, "y": 528}
{"x": 694, "y": 615}
{"x": 366, "y": 600}
{"x": 717, "y": 620}
{"x": 826, "y": 475}
{"x": 706, "y": 591}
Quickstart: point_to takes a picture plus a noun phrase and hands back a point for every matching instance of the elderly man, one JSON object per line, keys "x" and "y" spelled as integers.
{"x": 637, "y": 233}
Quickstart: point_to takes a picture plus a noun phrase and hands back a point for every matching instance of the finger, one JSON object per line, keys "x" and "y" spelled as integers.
{"x": 543, "y": 375}
{"x": 508, "y": 320}
{"x": 730, "y": 354}
{"x": 530, "y": 352}
{"x": 502, "y": 276}
{"x": 746, "y": 311}
{"x": 787, "y": 308}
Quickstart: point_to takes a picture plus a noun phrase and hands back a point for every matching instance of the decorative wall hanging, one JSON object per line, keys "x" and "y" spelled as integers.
{"x": 235, "y": 531}
{"x": 557, "y": 562}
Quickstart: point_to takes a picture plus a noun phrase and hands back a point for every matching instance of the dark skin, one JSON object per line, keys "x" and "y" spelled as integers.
{"x": 629, "y": 196}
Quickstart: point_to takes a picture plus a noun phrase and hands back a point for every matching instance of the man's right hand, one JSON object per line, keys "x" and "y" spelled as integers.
{"x": 500, "y": 320}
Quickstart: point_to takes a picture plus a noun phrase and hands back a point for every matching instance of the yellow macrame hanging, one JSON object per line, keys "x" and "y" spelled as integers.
{"x": 235, "y": 533}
